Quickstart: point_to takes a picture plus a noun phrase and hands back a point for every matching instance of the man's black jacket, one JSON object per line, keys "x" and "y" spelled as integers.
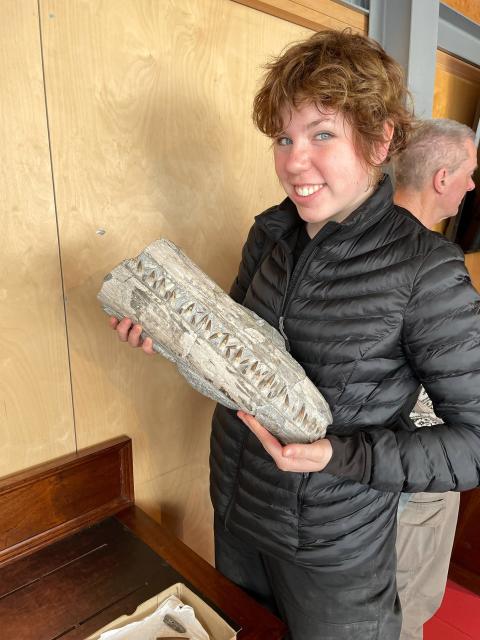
{"x": 375, "y": 306}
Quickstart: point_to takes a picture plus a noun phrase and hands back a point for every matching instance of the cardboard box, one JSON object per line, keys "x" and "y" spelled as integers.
{"x": 213, "y": 624}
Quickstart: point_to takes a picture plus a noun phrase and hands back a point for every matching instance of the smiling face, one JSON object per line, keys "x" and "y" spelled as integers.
{"x": 319, "y": 167}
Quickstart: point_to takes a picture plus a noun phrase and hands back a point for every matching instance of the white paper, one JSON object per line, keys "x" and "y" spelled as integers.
{"x": 153, "y": 626}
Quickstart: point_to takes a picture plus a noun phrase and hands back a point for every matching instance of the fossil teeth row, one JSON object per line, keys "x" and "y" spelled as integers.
{"x": 200, "y": 318}
{"x": 221, "y": 348}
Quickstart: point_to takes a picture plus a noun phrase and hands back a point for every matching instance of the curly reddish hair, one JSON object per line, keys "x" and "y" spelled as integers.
{"x": 339, "y": 71}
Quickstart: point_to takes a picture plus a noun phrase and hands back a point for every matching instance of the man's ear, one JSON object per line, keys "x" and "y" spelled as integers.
{"x": 382, "y": 147}
{"x": 440, "y": 179}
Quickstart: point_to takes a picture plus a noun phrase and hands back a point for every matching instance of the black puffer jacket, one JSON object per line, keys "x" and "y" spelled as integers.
{"x": 375, "y": 306}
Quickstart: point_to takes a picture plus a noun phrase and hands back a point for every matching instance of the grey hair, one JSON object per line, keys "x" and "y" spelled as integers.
{"x": 434, "y": 144}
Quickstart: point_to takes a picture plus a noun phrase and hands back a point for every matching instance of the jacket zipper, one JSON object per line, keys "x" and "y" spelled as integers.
{"x": 289, "y": 288}
{"x": 301, "y": 492}
{"x": 292, "y": 282}
{"x": 293, "y": 278}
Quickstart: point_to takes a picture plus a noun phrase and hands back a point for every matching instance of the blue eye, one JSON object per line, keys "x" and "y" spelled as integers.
{"x": 283, "y": 141}
{"x": 323, "y": 135}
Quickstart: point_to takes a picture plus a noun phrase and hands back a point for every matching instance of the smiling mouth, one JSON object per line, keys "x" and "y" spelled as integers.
{"x": 307, "y": 189}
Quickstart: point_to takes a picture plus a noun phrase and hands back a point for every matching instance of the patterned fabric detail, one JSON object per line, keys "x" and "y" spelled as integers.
{"x": 423, "y": 414}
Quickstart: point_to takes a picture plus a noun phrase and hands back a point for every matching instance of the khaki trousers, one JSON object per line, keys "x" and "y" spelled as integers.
{"x": 426, "y": 528}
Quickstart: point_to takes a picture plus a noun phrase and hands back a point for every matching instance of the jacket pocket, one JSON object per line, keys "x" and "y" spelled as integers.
{"x": 418, "y": 529}
{"x": 424, "y": 510}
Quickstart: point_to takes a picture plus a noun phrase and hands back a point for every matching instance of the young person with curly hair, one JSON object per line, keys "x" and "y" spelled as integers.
{"x": 371, "y": 304}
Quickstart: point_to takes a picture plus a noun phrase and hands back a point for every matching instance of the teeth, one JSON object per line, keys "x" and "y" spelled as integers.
{"x": 307, "y": 190}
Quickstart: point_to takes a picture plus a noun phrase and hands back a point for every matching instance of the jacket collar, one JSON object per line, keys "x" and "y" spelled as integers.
{"x": 279, "y": 221}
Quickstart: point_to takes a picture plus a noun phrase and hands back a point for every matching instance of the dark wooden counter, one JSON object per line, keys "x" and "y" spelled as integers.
{"x": 76, "y": 553}
{"x": 465, "y": 561}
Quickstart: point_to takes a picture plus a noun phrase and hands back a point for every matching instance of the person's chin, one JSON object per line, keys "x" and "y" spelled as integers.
{"x": 448, "y": 215}
{"x": 310, "y": 217}
{"x": 311, "y": 213}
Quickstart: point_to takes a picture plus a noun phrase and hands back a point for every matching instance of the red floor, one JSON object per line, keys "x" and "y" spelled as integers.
{"x": 458, "y": 618}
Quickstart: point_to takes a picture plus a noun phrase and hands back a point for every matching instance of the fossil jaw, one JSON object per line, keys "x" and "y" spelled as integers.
{"x": 223, "y": 350}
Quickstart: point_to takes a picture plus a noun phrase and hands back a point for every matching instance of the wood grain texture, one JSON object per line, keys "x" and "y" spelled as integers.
{"x": 469, "y": 8}
{"x": 465, "y": 564}
{"x": 151, "y": 135}
{"x": 180, "y": 501}
{"x": 76, "y": 586}
{"x": 313, "y": 14}
{"x": 457, "y": 89}
{"x": 54, "y": 499}
{"x": 36, "y": 420}
{"x": 257, "y": 622}
{"x": 458, "y": 67}
{"x": 472, "y": 260}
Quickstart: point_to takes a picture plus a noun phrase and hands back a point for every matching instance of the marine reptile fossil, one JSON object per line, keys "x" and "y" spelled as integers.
{"x": 224, "y": 350}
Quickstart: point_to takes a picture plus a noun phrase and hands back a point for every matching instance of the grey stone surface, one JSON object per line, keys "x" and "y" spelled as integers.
{"x": 223, "y": 350}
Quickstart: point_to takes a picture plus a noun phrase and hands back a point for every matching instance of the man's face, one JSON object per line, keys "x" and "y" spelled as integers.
{"x": 459, "y": 182}
{"x": 319, "y": 167}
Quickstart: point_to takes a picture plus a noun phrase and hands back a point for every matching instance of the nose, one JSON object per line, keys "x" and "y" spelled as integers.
{"x": 298, "y": 159}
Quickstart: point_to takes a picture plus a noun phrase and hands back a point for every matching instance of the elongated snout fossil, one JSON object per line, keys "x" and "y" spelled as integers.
{"x": 224, "y": 350}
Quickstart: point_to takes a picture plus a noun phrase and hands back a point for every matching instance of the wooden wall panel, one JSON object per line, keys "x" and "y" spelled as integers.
{"x": 314, "y": 14}
{"x": 35, "y": 400}
{"x": 457, "y": 89}
{"x": 472, "y": 260}
{"x": 469, "y": 8}
{"x": 151, "y": 135}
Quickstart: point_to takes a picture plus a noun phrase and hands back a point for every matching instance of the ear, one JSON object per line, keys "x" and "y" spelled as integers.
{"x": 440, "y": 179}
{"x": 382, "y": 147}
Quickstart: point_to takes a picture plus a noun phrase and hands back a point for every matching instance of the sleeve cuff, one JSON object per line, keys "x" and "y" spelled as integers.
{"x": 351, "y": 457}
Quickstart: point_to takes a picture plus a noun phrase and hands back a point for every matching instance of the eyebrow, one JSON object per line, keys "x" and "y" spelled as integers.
{"x": 313, "y": 124}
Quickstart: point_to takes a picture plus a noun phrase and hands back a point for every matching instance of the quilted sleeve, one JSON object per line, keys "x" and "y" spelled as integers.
{"x": 442, "y": 342}
{"x": 441, "y": 337}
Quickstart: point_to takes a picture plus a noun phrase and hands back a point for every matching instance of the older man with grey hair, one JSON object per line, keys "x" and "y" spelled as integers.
{"x": 435, "y": 171}
{"x": 432, "y": 176}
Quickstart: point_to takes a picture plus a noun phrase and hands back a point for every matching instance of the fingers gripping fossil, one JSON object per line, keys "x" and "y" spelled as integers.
{"x": 224, "y": 350}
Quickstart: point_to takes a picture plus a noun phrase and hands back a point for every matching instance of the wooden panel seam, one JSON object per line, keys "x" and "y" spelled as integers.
{"x": 469, "y": 8}
{"x": 458, "y": 67}
{"x": 305, "y": 16}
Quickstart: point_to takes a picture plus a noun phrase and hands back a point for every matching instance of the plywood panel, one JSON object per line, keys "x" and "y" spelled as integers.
{"x": 151, "y": 136}
{"x": 314, "y": 14}
{"x": 184, "y": 507}
{"x": 457, "y": 89}
{"x": 36, "y": 420}
{"x": 469, "y": 8}
{"x": 472, "y": 260}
